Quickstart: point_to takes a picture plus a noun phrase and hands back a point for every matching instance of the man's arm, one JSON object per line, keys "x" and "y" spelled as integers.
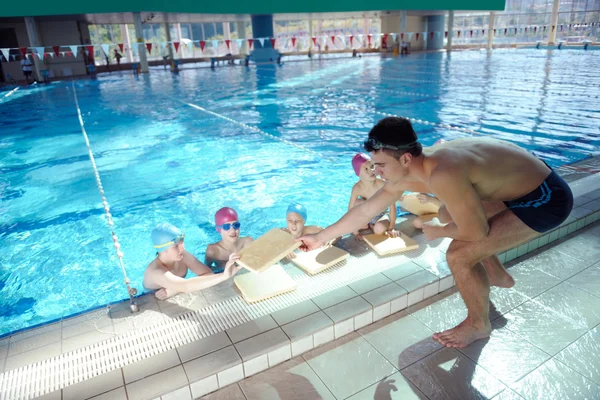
{"x": 464, "y": 205}
{"x": 360, "y": 215}
{"x": 392, "y": 216}
{"x": 194, "y": 265}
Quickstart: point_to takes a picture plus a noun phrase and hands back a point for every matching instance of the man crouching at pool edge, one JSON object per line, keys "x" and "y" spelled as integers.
{"x": 495, "y": 196}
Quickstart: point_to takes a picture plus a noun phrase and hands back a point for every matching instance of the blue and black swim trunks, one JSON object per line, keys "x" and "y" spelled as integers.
{"x": 547, "y": 206}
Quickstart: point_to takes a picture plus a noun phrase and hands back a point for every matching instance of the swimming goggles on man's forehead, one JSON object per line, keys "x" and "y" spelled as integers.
{"x": 175, "y": 240}
{"x": 373, "y": 144}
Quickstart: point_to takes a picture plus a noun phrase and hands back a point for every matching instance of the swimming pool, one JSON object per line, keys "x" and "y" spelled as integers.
{"x": 176, "y": 148}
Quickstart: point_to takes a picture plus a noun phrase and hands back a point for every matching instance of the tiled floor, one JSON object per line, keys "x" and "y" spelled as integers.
{"x": 545, "y": 343}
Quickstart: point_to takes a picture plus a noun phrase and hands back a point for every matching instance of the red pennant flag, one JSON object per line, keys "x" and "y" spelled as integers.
{"x": 333, "y": 39}
{"x": 525, "y": 29}
{"x": 203, "y": 43}
{"x": 458, "y": 34}
{"x": 385, "y": 37}
{"x": 505, "y": 30}
{"x": 516, "y": 29}
{"x": 149, "y": 48}
{"x": 569, "y": 26}
{"x": 293, "y": 41}
{"x": 431, "y": 34}
{"x": 69, "y": 53}
{"x": 121, "y": 47}
{"x": 417, "y": 35}
{"x": 273, "y": 42}
{"x": 23, "y": 51}
{"x": 176, "y": 44}
{"x": 553, "y": 27}
{"x": 494, "y": 32}
{"x": 314, "y": 40}
{"x": 227, "y": 41}
{"x": 250, "y": 42}
{"x": 369, "y": 39}
{"x": 351, "y": 37}
{"x": 401, "y": 35}
{"x": 471, "y": 33}
{"x": 534, "y": 29}
{"x": 482, "y": 32}
{"x": 561, "y": 28}
{"x": 56, "y": 50}
{"x": 90, "y": 50}
{"x": 446, "y": 34}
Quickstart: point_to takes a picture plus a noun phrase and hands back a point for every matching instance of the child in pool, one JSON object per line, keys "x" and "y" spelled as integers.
{"x": 228, "y": 225}
{"x": 296, "y": 219}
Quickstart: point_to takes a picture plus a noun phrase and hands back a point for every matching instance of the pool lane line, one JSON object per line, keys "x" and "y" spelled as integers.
{"x": 251, "y": 128}
{"x": 11, "y": 92}
{"x": 415, "y": 120}
{"x": 131, "y": 291}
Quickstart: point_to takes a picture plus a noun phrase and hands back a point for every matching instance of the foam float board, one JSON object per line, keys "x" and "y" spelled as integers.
{"x": 385, "y": 245}
{"x": 411, "y": 203}
{"x": 261, "y": 286}
{"x": 320, "y": 259}
{"x": 267, "y": 250}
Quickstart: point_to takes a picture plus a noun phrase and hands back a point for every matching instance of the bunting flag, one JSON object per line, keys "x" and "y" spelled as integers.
{"x": 120, "y": 47}
{"x": 70, "y": 53}
{"x": 561, "y": 28}
{"x": 90, "y": 50}
{"x": 149, "y": 48}
{"x": 134, "y": 50}
{"x": 333, "y": 40}
{"x": 323, "y": 40}
{"x": 458, "y": 34}
{"x": 505, "y": 30}
{"x": 5, "y": 53}
{"x": 446, "y": 35}
{"x": 483, "y": 32}
{"x": 431, "y": 34}
{"x": 369, "y": 39}
{"x": 239, "y": 43}
{"x": 525, "y": 29}
{"x": 273, "y": 42}
{"x": 74, "y": 50}
{"x": 553, "y": 27}
{"x": 314, "y": 39}
{"x": 190, "y": 46}
{"x": 23, "y": 51}
{"x": 410, "y": 36}
{"x": 293, "y": 41}
{"x": 250, "y": 43}
{"x": 534, "y": 29}
{"x": 471, "y": 33}
{"x": 401, "y": 35}
{"x": 417, "y": 36}
{"x": 40, "y": 52}
{"x": 176, "y": 45}
{"x": 105, "y": 48}
{"x": 385, "y": 37}
{"x": 351, "y": 38}
{"x": 394, "y": 37}
{"x": 228, "y": 43}
{"x": 494, "y": 32}
{"x": 202, "y": 44}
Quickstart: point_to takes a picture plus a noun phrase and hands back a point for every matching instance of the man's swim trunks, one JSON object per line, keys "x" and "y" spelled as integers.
{"x": 546, "y": 207}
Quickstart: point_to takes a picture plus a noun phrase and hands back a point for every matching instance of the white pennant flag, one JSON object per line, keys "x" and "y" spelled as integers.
{"x": 425, "y": 36}
{"x": 262, "y": 41}
{"x": 438, "y": 34}
{"x": 393, "y": 37}
{"x": 51, "y": 54}
{"x": 74, "y": 50}
{"x": 40, "y": 52}
{"x": 190, "y": 46}
{"x": 239, "y": 43}
{"x": 410, "y": 36}
{"x": 324, "y": 40}
{"x": 215, "y": 44}
{"x": 62, "y": 53}
{"x": 360, "y": 38}
{"x": 6, "y": 53}
{"x": 105, "y": 48}
{"x": 134, "y": 50}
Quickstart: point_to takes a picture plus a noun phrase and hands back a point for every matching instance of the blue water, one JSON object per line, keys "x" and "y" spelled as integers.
{"x": 162, "y": 160}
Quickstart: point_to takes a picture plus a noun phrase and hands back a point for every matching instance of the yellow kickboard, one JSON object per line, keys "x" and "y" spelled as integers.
{"x": 385, "y": 245}
{"x": 261, "y": 286}
{"x": 267, "y": 250}
{"x": 410, "y": 202}
{"x": 318, "y": 260}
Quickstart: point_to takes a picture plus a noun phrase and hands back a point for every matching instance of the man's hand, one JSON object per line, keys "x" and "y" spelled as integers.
{"x": 358, "y": 236}
{"x": 310, "y": 242}
{"x": 231, "y": 268}
{"x": 291, "y": 256}
{"x": 433, "y": 229}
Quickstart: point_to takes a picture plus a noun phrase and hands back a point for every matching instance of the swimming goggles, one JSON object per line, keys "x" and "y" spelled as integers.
{"x": 373, "y": 145}
{"x": 227, "y": 226}
{"x": 175, "y": 240}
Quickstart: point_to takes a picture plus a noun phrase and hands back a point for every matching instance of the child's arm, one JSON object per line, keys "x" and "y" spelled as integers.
{"x": 353, "y": 197}
{"x": 194, "y": 265}
{"x": 210, "y": 257}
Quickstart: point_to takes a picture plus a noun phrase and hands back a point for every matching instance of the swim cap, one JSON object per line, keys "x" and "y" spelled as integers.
{"x": 298, "y": 209}
{"x": 224, "y": 215}
{"x": 358, "y": 160}
{"x": 164, "y": 235}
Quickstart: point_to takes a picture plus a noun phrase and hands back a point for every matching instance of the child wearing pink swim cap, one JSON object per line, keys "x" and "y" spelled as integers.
{"x": 228, "y": 225}
{"x": 366, "y": 187}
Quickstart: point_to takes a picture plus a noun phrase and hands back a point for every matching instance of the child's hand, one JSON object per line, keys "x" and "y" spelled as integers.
{"x": 291, "y": 256}
{"x": 358, "y": 236}
{"x": 163, "y": 294}
{"x": 393, "y": 233}
{"x": 231, "y": 268}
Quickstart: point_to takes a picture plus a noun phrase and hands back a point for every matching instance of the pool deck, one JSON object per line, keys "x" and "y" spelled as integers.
{"x": 345, "y": 334}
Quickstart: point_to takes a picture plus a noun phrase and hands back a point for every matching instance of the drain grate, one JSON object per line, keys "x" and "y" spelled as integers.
{"x": 76, "y": 366}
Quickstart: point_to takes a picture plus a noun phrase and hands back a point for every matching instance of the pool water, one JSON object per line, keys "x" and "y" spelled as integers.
{"x": 272, "y": 135}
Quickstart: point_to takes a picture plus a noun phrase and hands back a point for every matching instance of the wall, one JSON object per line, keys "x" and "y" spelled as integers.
{"x": 13, "y": 68}
{"x": 391, "y": 24}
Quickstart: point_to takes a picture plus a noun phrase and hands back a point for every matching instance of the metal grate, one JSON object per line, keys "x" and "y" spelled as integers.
{"x": 70, "y": 368}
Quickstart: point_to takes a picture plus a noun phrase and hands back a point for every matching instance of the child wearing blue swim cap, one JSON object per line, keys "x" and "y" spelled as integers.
{"x": 296, "y": 216}
{"x": 168, "y": 270}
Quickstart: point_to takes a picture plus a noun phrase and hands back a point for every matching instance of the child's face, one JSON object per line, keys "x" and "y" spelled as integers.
{"x": 367, "y": 172}
{"x": 230, "y": 235}
{"x": 295, "y": 224}
{"x": 175, "y": 252}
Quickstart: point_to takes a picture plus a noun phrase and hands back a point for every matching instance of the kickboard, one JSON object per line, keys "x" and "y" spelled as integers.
{"x": 385, "y": 245}
{"x": 318, "y": 260}
{"x": 261, "y": 286}
{"x": 267, "y": 250}
{"x": 410, "y": 202}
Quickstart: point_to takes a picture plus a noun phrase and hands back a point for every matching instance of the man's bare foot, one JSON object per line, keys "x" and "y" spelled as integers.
{"x": 497, "y": 274}
{"x": 463, "y": 334}
{"x": 503, "y": 281}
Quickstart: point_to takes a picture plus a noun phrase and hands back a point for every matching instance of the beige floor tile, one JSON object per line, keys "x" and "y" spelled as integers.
{"x": 394, "y": 387}
{"x": 576, "y": 305}
{"x": 588, "y": 280}
{"x": 199, "y": 348}
{"x": 331, "y": 362}
{"x": 77, "y": 342}
{"x": 416, "y": 342}
{"x": 157, "y": 385}
{"x": 116, "y": 394}
{"x": 295, "y": 312}
{"x": 231, "y": 392}
{"x": 151, "y": 365}
{"x": 25, "y": 342}
{"x": 448, "y": 374}
{"x": 33, "y": 356}
{"x": 583, "y": 355}
{"x": 94, "y": 386}
{"x": 292, "y": 380}
{"x": 440, "y": 315}
{"x": 555, "y": 381}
